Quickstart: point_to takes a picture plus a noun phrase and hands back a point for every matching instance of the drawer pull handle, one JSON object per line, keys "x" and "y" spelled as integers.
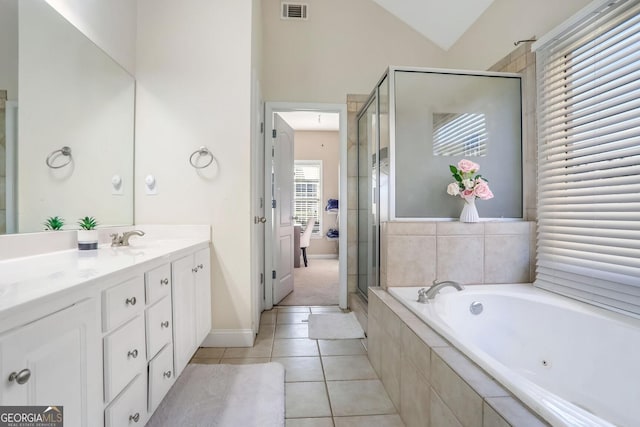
{"x": 200, "y": 266}
{"x": 135, "y": 418}
{"x": 131, "y": 301}
{"x": 165, "y": 324}
{"x": 167, "y": 374}
{"x": 133, "y": 353}
{"x": 195, "y": 270}
{"x": 164, "y": 281}
{"x": 20, "y": 377}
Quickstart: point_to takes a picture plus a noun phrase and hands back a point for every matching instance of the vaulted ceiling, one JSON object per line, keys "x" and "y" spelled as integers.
{"x": 441, "y": 21}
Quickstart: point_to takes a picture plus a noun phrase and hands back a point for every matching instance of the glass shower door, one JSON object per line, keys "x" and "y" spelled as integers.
{"x": 368, "y": 196}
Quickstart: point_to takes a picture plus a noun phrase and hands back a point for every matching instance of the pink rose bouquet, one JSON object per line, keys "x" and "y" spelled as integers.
{"x": 468, "y": 183}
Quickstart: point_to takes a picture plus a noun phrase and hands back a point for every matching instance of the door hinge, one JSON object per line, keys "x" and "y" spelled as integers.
{"x": 274, "y": 133}
{"x": 273, "y": 274}
{"x": 261, "y": 203}
{"x": 273, "y": 151}
{"x": 261, "y": 278}
{"x": 273, "y": 204}
{"x": 261, "y": 127}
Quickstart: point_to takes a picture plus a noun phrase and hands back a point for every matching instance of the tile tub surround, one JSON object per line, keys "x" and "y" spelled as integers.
{"x": 437, "y": 385}
{"x": 416, "y": 253}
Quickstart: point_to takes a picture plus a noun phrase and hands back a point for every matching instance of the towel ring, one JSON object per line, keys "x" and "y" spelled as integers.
{"x": 64, "y": 151}
{"x": 202, "y": 151}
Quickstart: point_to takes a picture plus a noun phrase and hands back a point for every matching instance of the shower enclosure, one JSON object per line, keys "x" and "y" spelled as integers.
{"x": 415, "y": 124}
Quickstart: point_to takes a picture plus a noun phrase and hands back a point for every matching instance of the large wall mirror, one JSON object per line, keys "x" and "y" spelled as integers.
{"x": 58, "y": 89}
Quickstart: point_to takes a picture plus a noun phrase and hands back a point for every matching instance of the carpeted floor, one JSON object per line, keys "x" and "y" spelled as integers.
{"x": 316, "y": 284}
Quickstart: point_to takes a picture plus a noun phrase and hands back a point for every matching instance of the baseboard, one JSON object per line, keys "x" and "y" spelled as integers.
{"x": 322, "y": 256}
{"x": 229, "y": 338}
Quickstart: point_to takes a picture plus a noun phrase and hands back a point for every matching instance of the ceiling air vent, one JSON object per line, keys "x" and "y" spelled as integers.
{"x": 294, "y": 11}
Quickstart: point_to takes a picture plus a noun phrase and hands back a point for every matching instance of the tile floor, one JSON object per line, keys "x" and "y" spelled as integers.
{"x": 328, "y": 383}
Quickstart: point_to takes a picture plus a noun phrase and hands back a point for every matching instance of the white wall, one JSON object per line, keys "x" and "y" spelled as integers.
{"x": 492, "y": 36}
{"x": 325, "y": 146}
{"x": 344, "y": 47}
{"x": 9, "y": 48}
{"x": 193, "y": 89}
{"x": 111, "y": 24}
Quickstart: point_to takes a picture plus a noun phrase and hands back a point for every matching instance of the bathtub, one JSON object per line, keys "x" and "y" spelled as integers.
{"x": 572, "y": 363}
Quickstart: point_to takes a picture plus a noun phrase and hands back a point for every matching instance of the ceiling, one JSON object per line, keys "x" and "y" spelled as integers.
{"x": 442, "y": 22}
{"x": 312, "y": 120}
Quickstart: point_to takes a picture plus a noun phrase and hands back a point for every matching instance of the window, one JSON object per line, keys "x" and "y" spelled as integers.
{"x": 589, "y": 159}
{"x": 308, "y": 193}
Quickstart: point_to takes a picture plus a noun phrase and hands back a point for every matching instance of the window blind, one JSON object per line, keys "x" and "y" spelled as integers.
{"x": 589, "y": 159}
{"x": 308, "y": 193}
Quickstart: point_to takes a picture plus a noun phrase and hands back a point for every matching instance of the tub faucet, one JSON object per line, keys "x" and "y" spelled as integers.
{"x": 437, "y": 286}
{"x": 117, "y": 240}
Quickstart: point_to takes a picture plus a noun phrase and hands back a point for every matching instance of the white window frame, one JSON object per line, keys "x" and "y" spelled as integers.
{"x": 589, "y": 159}
{"x": 317, "y": 234}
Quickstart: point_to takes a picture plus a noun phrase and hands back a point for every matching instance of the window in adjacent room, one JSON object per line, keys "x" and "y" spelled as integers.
{"x": 308, "y": 193}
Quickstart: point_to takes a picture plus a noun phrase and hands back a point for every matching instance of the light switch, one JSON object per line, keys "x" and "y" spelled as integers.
{"x": 150, "y": 185}
{"x": 117, "y": 188}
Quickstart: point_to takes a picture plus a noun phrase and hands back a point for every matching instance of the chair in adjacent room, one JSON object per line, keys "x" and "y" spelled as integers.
{"x": 305, "y": 238}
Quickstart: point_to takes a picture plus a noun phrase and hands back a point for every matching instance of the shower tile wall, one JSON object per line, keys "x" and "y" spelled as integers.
{"x": 416, "y": 253}
{"x": 523, "y": 61}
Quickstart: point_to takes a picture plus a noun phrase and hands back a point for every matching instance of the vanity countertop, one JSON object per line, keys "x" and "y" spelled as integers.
{"x": 34, "y": 278}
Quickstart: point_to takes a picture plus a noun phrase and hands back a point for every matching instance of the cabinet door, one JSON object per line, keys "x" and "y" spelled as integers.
{"x": 184, "y": 308}
{"x": 160, "y": 377}
{"x": 63, "y": 354}
{"x": 203, "y": 295}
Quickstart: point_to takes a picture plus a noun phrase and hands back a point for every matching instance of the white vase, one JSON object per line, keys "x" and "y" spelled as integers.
{"x": 87, "y": 239}
{"x": 469, "y": 212}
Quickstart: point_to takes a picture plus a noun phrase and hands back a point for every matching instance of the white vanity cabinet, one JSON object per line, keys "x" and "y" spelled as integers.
{"x": 191, "y": 292}
{"x": 55, "y": 360}
{"x": 100, "y": 342}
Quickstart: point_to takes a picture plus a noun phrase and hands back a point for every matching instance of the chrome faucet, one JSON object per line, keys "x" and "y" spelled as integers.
{"x": 422, "y": 296}
{"x": 425, "y": 295}
{"x": 117, "y": 240}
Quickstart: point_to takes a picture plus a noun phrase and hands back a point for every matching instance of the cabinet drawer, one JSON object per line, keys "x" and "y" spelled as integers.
{"x": 122, "y": 302}
{"x": 161, "y": 376}
{"x": 129, "y": 409}
{"x": 159, "y": 326}
{"x": 124, "y": 356}
{"x": 158, "y": 283}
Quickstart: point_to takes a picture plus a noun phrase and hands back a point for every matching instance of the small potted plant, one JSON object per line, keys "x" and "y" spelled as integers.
{"x": 87, "y": 235}
{"x": 53, "y": 223}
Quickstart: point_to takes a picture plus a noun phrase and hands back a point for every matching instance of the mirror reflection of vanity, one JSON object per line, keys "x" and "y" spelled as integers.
{"x": 61, "y": 90}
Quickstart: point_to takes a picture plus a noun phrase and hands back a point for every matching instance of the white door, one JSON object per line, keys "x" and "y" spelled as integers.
{"x": 56, "y": 362}
{"x": 203, "y": 294}
{"x": 283, "y": 211}
{"x": 184, "y": 308}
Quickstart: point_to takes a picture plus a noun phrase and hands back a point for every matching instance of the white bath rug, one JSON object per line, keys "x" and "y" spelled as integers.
{"x": 224, "y": 396}
{"x": 334, "y": 326}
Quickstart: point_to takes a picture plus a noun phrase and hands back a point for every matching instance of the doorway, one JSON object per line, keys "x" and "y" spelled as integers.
{"x": 300, "y": 190}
